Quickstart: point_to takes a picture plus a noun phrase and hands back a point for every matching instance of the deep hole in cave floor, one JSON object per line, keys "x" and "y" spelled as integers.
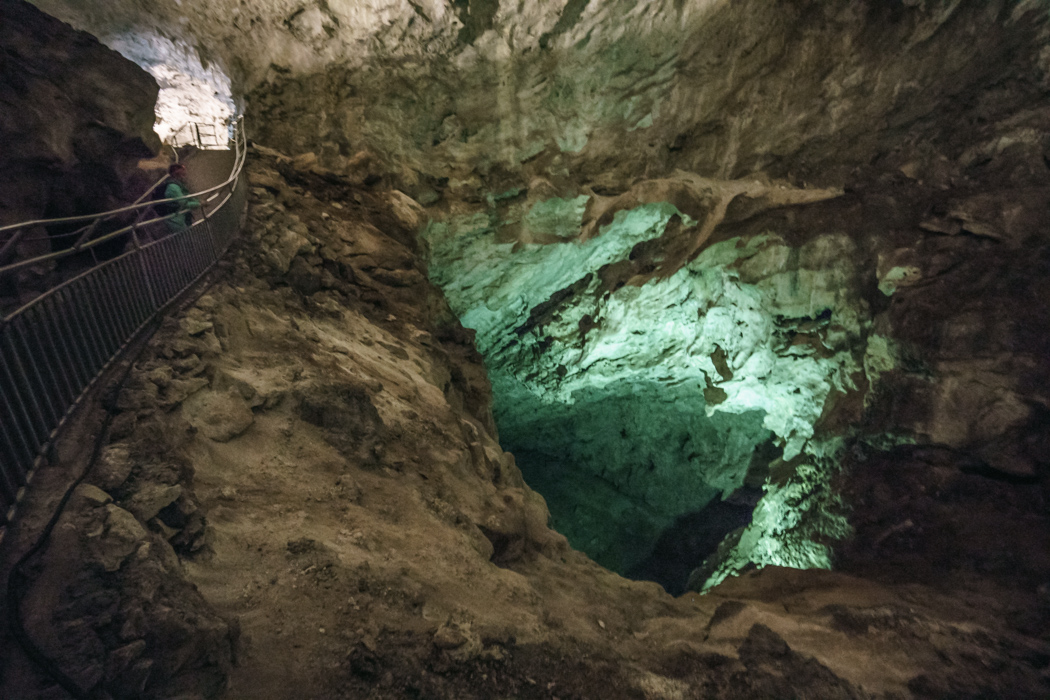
{"x": 632, "y": 406}
{"x": 639, "y": 478}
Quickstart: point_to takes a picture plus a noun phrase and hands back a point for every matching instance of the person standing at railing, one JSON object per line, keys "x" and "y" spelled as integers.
{"x": 177, "y": 189}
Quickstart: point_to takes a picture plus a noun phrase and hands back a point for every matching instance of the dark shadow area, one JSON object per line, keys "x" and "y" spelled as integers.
{"x": 634, "y": 474}
{"x": 693, "y": 538}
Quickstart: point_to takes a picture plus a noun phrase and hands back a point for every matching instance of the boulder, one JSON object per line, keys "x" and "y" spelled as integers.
{"x": 123, "y": 535}
{"x": 113, "y": 467}
{"x": 153, "y": 498}
{"x": 221, "y": 416}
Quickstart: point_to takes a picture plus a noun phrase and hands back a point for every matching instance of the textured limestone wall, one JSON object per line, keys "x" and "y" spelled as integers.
{"x": 302, "y": 496}
{"x": 75, "y": 118}
{"x": 847, "y": 322}
{"x": 804, "y": 88}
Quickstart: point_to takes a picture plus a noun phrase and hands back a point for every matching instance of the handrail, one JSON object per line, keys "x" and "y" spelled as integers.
{"x": 195, "y": 135}
{"x": 51, "y": 237}
{"x": 121, "y": 210}
{"x": 113, "y": 212}
{"x": 77, "y": 232}
{"x": 150, "y": 189}
{"x": 54, "y": 348}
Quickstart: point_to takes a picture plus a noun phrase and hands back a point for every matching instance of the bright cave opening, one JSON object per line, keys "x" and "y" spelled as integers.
{"x": 196, "y": 101}
{"x": 669, "y": 419}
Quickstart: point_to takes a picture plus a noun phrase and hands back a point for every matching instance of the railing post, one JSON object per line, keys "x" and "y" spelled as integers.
{"x": 35, "y": 426}
{"x": 146, "y": 277}
{"x": 10, "y": 244}
{"x": 24, "y": 427}
{"x": 59, "y": 376}
{"x": 88, "y": 232}
{"x": 211, "y": 236}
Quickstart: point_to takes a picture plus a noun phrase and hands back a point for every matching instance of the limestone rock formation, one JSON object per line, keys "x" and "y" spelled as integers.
{"x": 76, "y": 117}
{"x": 371, "y": 536}
{"x": 758, "y": 285}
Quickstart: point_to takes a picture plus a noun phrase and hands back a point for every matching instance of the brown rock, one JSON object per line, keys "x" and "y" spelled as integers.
{"x": 122, "y": 537}
{"x": 221, "y": 416}
{"x": 113, "y": 467}
{"x": 152, "y": 499}
{"x": 92, "y": 495}
{"x": 270, "y": 179}
{"x": 449, "y": 637}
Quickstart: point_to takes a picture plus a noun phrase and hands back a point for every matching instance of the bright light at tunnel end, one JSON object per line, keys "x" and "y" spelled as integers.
{"x": 190, "y": 93}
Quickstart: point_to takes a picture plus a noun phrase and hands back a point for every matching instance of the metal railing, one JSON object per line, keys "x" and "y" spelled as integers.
{"x": 54, "y": 348}
{"x": 214, "y": 135}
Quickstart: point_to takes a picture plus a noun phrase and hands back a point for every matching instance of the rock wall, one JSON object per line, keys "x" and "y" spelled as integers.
{"x": 871, "y": 310}
{"x": 76, "y": 118}
{"x": 703, "y": 246}
{"x": 758, "y": 207}
{"x": 608, "y": 90}
{"x": 302, "y": 496}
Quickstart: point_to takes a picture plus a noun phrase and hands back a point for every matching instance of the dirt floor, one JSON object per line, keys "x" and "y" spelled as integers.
{"x": 319, "y": 508}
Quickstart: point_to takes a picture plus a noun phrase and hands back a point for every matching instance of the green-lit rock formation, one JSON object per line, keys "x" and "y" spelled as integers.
{"x": 759, "y": 288}
{"x": 721, "y": 215}
{"x": 633, "y": 383}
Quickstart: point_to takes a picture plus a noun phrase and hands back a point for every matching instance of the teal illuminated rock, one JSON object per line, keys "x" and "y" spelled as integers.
{"x": 630, "y": 404}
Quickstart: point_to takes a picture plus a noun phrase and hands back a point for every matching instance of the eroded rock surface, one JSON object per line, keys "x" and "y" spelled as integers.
{"x": 75, "y": 113}
{"x": 792, "y": 252}
{"x": 75, "y": 118}
{"x": 366, "y": 536}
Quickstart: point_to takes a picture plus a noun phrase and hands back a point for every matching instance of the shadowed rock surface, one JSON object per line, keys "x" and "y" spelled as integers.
{"x": 635, "y": 256}
{"x": 75, "y": 119}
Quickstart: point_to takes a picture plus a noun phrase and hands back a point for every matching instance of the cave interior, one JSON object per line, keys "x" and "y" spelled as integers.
{"x": 736, "y": 286}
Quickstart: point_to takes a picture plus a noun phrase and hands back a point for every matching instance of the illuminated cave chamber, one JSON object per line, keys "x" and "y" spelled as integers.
{"x": 755, "y": 284}
{"x": 649, "y": 407}
{"x": 192, "y": 92}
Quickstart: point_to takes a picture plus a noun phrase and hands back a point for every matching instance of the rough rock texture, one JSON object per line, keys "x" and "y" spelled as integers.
{"x": 111, "y": 607}
{"x": 706, "y": 249}
{"x": 373, "y": 540}
{"x": 612, "y": 88}
{"x": 75, "y": 118}
{"x": 621, "y": 287}
{"x": 757, "y": 176}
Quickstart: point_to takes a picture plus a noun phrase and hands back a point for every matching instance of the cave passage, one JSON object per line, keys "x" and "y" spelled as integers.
{"x": 748, "y": 285}
{"x": 192, "y": 91}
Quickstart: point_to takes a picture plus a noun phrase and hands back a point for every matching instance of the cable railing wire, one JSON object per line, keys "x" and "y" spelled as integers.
{"x": 52, "y": 237}
{"x": 54, "y": 348}
{"x": 87, "y": 241}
